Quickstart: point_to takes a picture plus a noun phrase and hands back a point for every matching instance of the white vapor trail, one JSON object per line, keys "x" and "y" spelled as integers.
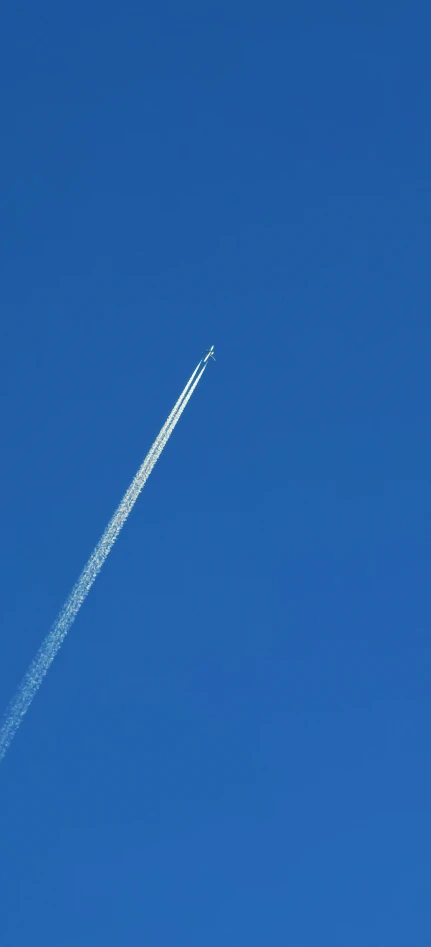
{"x": 51, "y": 644}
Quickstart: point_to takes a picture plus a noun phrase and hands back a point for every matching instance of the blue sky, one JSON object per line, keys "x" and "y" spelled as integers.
{"x": 233, "y": 745}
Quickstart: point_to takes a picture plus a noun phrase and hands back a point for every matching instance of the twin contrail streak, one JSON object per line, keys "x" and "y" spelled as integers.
{"x": 41, "y": 663}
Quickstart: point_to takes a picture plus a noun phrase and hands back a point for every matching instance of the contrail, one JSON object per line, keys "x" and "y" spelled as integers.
{"x": 33, "y": 678}
{"x": 165, "y": 431}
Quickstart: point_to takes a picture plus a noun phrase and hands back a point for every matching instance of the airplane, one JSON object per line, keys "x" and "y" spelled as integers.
{"x": 209, "y": 354}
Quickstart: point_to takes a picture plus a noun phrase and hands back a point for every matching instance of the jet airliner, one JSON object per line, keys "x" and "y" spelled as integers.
{"x": 209, "y": 354}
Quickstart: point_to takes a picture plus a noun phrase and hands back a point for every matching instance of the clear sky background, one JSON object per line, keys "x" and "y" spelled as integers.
{"x": 233, "y": 745}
